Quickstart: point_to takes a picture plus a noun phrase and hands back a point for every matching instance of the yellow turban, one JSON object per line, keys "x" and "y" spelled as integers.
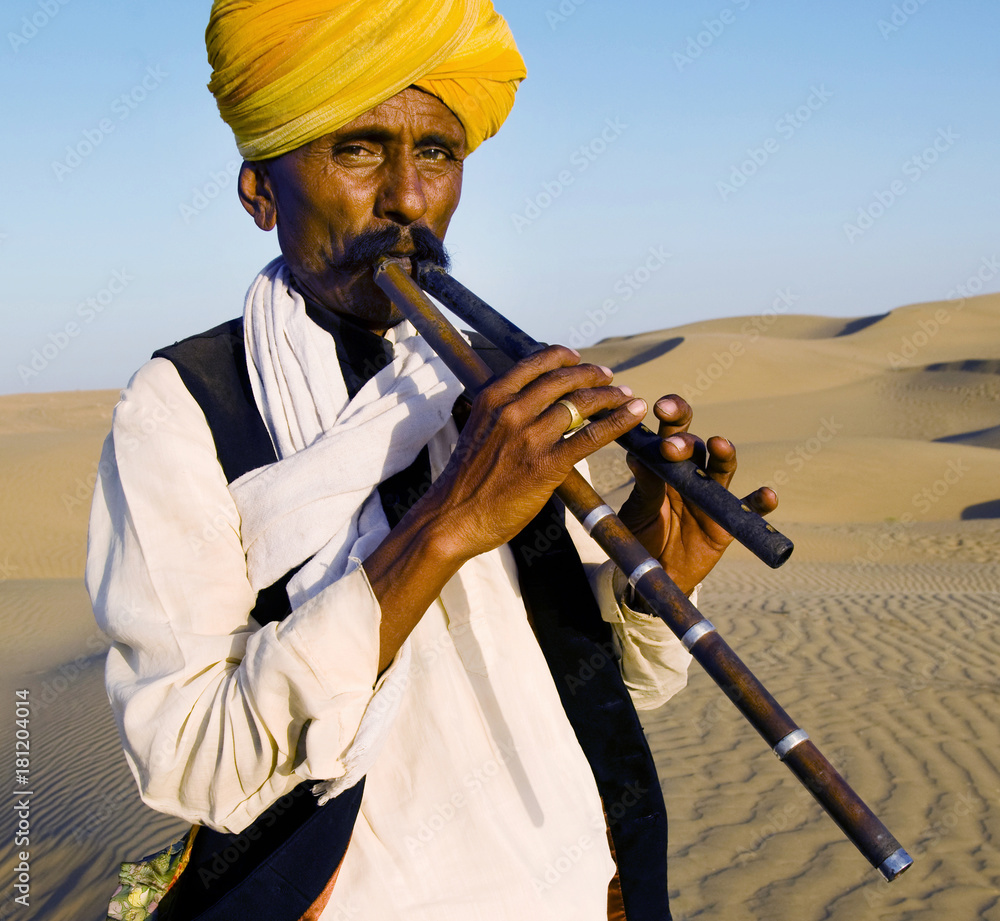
{"x": 285, "y": 72}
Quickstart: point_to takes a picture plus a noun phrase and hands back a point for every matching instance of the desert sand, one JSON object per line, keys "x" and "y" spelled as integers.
{"x": 881, "y": 636}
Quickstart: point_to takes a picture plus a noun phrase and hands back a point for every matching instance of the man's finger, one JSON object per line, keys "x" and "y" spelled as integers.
{"x": 532, "y": 367}
{"x": 538, "y": 394}
{"x": 673, "y": 413}
{"x": 682, "y": 446}
{"x": 721, "y": 459}
{"x": 587, "y": 402}
{"x": 600, "y": 432}
{"x": 763, "y": 500}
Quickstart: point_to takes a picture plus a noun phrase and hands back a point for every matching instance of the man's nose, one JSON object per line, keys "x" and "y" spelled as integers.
{"x": 401, "y": 198}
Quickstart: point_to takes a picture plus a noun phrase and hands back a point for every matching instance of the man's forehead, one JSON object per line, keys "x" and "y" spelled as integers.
{"x": 410, "y": 109}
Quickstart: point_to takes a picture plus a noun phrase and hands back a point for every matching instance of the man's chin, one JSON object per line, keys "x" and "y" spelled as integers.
{"x": 360, "y": 299}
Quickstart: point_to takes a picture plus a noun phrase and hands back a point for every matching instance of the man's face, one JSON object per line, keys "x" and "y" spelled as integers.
{"x": 395, "y": 168}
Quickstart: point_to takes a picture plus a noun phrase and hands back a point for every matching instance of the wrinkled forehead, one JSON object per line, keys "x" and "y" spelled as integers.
{"x": 411, "y": 110}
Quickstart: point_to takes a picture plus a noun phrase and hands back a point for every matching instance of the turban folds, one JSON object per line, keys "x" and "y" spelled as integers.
{"x": 285, "y": 72}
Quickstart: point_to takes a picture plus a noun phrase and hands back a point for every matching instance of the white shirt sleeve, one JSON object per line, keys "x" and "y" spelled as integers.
{"x": 219, "y": 717}
{"x": 653, "y": 661}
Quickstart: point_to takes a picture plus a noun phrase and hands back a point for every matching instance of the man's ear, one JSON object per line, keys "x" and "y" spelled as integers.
{"x": 257, "y": 194}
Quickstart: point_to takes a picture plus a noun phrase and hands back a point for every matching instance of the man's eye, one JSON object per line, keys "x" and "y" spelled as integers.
{"x": 355, "y": 152}
{"x": 435, "y": 153}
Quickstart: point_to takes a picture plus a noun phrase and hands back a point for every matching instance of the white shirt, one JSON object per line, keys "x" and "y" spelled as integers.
{"x": 481, "y": 804}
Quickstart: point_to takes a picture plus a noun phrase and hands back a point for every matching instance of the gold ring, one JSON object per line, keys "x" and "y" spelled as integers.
{"x": 576, "y": 421}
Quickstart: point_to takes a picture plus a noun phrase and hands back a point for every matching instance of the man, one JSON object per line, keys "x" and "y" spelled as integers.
{"x": 304, "y": 561}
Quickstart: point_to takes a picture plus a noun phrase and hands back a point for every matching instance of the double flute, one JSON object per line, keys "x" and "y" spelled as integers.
{"x": 790, "y": 743}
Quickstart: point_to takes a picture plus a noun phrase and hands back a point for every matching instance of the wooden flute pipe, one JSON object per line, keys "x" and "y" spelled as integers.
{"x": 667, "y": 601}
{"x": 745, "y": 525}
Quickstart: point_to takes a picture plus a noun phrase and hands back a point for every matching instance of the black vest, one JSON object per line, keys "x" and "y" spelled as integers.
{"x": 278, "y": 866}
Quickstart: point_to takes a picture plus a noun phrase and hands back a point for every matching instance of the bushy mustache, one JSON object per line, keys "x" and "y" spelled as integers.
{"x": 370, "y": 245}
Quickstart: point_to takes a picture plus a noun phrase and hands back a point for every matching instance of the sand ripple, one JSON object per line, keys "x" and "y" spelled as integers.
{"x": 895, "y": 680}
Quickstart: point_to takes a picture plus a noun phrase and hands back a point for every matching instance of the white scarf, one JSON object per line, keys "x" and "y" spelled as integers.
{"x": 320, "y": 499}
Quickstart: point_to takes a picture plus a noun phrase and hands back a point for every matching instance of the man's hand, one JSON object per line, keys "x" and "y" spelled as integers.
{"x": 512, "y": 454}
{"x": 510, "y": 457}
{"x": 682, "y": 537}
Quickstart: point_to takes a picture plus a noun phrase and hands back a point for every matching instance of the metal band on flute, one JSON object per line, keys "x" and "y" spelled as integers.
{"x": 671, "y": 605}
{"x": 645, "y": 566}
{"x": 795, "y": 737}
{"x": 598, "y": 514}
{"x": 746, "y": 526}
{"x": 695, "y": 633}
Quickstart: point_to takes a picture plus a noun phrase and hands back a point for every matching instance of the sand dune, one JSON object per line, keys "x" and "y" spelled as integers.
{"x": 895, "y": 419}
{"x": 723, "y": 360}
{"x": 880, "y": 636}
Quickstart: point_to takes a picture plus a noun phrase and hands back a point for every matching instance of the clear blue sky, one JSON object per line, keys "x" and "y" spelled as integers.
{"x": 664, "y": 163}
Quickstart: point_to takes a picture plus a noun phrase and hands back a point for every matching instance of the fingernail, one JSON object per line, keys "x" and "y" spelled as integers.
{"x": 667, "y": 406}
{"x": 676, "y": 441}
{"x": 575, "y": 352}
{"x": 607, "y": 371}
{"x": 625, "y": 389}
{"x": 637, "y": 407}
